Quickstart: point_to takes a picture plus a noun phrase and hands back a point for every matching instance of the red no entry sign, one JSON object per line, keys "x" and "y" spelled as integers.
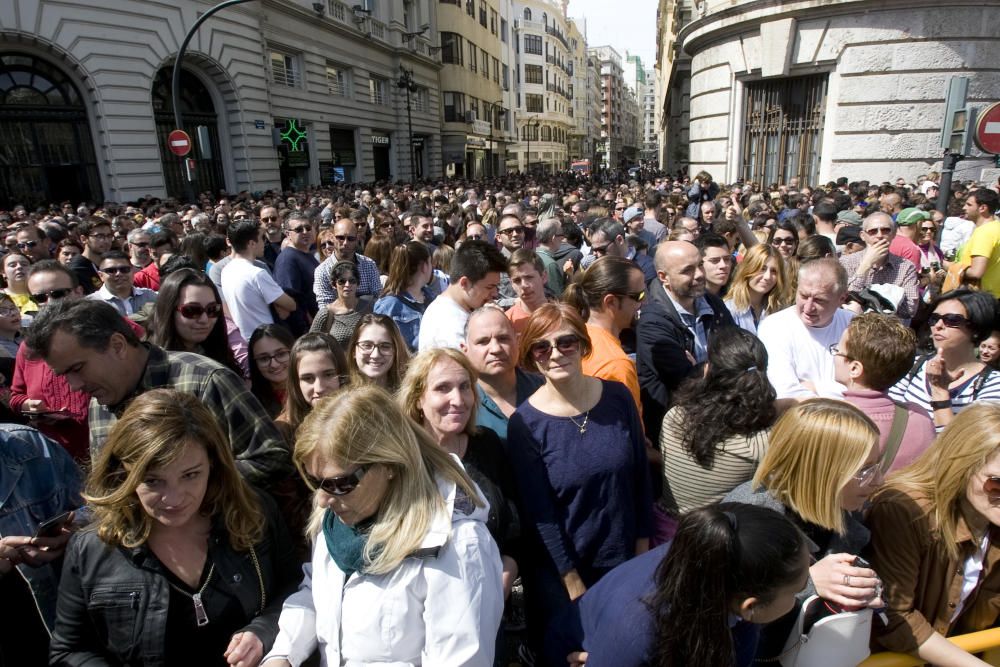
{"x": 988, "y": 129}
{"x": 179, "y": 142}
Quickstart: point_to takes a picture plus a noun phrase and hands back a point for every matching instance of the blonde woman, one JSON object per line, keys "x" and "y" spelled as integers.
{"x": 821, "y": 465}
{"x": 759, "y": 287}
{"x": 184, "y": 561}
{"x": 403, "y": 569}
{"x": 935, "y": 531}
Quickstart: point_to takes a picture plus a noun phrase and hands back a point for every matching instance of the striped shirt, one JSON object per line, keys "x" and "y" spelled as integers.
{"x": 370, "y": 282}
{"x": 914, "y": 388}
{"x": 687, "y": 484}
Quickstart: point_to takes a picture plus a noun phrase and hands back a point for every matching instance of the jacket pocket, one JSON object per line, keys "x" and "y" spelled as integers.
{"x": 115, "y": 612}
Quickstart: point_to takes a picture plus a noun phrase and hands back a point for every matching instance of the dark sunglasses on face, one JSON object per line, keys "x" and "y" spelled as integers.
{"x": 513, "y": 230}
{"x": 337, "y": 486}
{"x": 600, "y": 249}
{"x": 117, "y": 270}
{"x": 26, "y": 244}
{"x": 637, "y": 296}
{"x": 193, "y": 311}
{"x": 303, "y": 229}
{"x": 60, "y": 293}
{"x": 788, "y": 240}
{"x": 542, "y": 350}
{"x": 268, "y": 218}
{"x": 347, "y": 281}
{"x": 327, "y": 244}
{"x": 349, "y": 239}
{"x": 927, "y": 230}
{"x": 950, "y": 320}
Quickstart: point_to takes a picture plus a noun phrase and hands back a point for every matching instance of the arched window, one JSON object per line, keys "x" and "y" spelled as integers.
{"x": 47, "y": 150}
{"x": 527, "y": 14}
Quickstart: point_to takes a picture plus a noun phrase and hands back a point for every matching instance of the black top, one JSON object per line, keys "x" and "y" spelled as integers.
{"x": 486, "y": 462}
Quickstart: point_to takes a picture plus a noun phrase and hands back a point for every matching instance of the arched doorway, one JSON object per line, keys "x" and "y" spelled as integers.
{"x": 46, "y": 150}
{"x": 199, "y": 121}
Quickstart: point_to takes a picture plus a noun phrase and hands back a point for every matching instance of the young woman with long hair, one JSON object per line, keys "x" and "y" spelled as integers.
{"x": 270, "y": 348}
{"x": 759, "y": 287}
{"x": 376, "y": 353}
{"x": 406, "y": 295}
{"x": 317, "y": 368}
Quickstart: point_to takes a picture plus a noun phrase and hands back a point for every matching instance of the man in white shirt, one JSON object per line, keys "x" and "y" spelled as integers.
{"x": 475, "y": 275}
{"x": 250, "y": 291}
{"x": 798, "y": 338}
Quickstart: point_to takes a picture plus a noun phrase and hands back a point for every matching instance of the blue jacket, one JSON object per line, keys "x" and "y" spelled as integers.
{"x": 38, "y": 480}
{"x": 406, "y": 313}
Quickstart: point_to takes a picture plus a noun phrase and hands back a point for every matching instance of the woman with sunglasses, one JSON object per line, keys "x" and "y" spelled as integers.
{"x": 821, "y": 465}
{"x": 936, "y": 544}
{"x": 188, "y": 317}
{"x": 403, "y": 569}
{"x": 270, "y": 349}
{"x": 376, "y": 353}
{"x": 952, "y": 377}
{"x": 608, "y": 295}
{"x": 784, "y": 238}
{"x": 326, "y": 243}
{"x": 184, "y": 563}
{"x": 579, "y": 458}
{"x": 406, "y": 295}
{"x": 341, "y": 316}
{"x": 759, "y": 287}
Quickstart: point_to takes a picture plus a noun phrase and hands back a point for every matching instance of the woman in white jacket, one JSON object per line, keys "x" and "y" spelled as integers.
{"x": 404, "y": 571}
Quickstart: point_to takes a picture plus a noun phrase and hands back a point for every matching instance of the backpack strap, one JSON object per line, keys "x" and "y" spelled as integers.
{"x": 899, "y": 419}
{"x": 981, "y": 380}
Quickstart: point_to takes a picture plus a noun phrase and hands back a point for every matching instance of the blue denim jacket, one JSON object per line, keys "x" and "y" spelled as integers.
{"x": 38, "y": 480}
{"x": 406, "y": 313}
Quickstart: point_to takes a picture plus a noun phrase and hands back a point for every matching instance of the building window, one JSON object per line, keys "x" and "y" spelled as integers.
{"x": 496, "y": 71}
{"x": 503, "y": 30}
{"x": 506, "y": 77}
{"x": 493, "y": 21}
{"x": 546, "y": 133}
{"x": 454, "y": 107}
{"x": 285, "y": 69}
{"x": 472, "y": 57}
{"x": 485, "y": 69}
{"x": 532, "y": 73}
{"x": 470, "y": 8}
{"x": 533, "y": 103}
{"x": 533, "y": 44}
{"x": 473, "y": 108}
{"x": 527, "y": 14}
{"x": 378, "y": 90}
{"x": 482, "y": 13}
{"x": 336, "y": 80}
{"x": 783, "y": 129}
{"x": 451, "y": 48}
{"x": 421, "y": 100}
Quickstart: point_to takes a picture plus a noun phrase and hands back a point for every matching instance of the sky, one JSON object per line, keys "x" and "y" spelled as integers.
{"x": 624, "y": 24}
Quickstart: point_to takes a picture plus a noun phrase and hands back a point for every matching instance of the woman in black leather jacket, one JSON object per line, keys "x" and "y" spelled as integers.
{"x": 185, "y": 563}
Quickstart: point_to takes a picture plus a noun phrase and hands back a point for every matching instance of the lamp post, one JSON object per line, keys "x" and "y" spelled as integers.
{"x": 405, "y": 81}
{"x": 500, "y": 112}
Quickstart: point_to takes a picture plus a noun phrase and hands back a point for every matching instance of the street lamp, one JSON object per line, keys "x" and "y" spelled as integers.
{"x": 500, "y": 112}
{"x": 532, "y": 122}
{"x": 405, "y": 81}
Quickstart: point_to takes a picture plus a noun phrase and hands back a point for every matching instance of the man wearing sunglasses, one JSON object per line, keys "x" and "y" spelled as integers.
{"x": 295, "y": 270}
{"x": 33, "y": 242}
{"x": 345, "y": 249}
{"x": 877, "y": 265}
{"x": 117, "y": 290}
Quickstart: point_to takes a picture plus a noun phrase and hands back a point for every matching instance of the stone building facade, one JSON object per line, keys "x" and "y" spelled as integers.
{"x": 819, "y": 89}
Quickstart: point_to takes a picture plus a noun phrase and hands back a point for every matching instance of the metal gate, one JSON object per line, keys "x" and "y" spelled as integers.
{"x": 783, "y": 129}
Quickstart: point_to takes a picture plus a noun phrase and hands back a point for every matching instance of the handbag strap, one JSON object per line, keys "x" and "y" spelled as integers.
{"x": 899, "y": 419}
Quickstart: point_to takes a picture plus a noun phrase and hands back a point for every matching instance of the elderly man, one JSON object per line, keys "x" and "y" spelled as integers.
{"x": 798, "y": 338}
{"x": 550, "y": 238}
{"x": 878, "y": 266}
{"x": 674, "y": 328}
{"x": 345, "y": 234}
{"x": 491, "y": 346}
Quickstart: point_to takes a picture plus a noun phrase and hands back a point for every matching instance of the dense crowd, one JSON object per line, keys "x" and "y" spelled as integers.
{"x": 535, "y": 420}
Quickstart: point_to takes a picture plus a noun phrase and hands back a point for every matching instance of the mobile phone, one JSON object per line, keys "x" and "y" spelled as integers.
{"x": 52, "y": 527}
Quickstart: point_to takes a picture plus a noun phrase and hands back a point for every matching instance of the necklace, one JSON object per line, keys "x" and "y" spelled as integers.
{"x": 583, "y": 426}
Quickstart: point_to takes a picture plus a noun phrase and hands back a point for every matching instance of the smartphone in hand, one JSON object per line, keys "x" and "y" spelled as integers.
{"x": 52, "y": 527}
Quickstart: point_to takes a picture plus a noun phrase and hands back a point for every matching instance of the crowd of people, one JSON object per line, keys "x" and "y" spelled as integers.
{"x": 530, "y": 420}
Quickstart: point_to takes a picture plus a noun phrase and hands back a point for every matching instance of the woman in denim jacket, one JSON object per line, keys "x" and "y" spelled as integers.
{"x": 406, "y": 294}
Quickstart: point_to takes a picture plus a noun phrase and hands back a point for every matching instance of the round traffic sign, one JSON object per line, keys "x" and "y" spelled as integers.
{"x": 988, "y": 129}
{"x": 179, "y": 142}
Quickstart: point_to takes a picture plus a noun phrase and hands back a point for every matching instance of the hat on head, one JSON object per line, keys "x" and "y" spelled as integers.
{"x": 927, "y": 185}
{"x": 632, "y": 212}
{"x": 850, "y": 217}
{"x": 849, "y": 234}
{"x": 911, "y": 216}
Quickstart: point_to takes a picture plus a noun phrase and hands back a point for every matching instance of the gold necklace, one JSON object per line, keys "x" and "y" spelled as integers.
{"x": 583, "y": 426}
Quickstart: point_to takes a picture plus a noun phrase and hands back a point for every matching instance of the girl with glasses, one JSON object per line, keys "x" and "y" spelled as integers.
{"x": 376, "y": 353}
{"x": 403, "y": 568}
{"x": 935, "y": 542}
{"x": 188, "y": 317}
{"x": 951, "y": 377}
{"x": 341, "y": 316}
{"x": 270, "y": 350}
{"x": 821, "y": 466}
{"x": 579, "y": 459}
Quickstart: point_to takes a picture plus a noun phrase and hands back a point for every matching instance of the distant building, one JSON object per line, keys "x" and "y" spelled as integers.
{"x": 613, "y": 101}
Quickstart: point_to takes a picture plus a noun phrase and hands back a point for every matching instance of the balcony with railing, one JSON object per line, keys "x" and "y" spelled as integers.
{"x": 559, "y": 90}
{"x": 555, "y": 32}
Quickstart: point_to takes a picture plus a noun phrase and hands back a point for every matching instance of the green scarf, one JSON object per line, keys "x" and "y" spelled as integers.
{"x": 346, "y": 544}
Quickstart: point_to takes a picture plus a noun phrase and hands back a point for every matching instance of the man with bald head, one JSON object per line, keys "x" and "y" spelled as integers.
{"x": 798, "y": 338}
{"x": 345, "y": 249}
{"x": 877, "y": 265}
{"x": 674, "y": 328}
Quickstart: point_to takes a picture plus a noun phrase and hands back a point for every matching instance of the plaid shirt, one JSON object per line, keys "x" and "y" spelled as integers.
{"x": 371, "y": 281}
{"x": 261, "y": 455}
{"x": 895, "y": 271}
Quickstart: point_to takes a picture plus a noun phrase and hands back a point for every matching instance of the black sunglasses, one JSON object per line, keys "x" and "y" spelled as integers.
{"x": 636, "y": 296}
{"x": 350, "y": 239}
{"x": 43, "y": 297}
{"x": 193, "y": 311}
{"x": 337, "y": 486}
{"x": 542, "y": 350}
{"x": 27, "y": 244}
{"x": 117, "y": 270}
{"x": 950, "y": 320}
{"x": 512, "y": 230}
{"x": 301, "y": 229}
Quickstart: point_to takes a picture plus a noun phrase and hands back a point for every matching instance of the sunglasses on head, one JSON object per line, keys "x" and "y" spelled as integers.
{"x": 542, "y": 350}
{"x": 60, "y": 293}
{"x": 337, "y": 486}
{"x": 950, "y": 320}
{"x": 193, "y": 311}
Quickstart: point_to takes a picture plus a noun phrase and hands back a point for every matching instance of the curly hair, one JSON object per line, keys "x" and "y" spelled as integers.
{"x": 734, "y": 396}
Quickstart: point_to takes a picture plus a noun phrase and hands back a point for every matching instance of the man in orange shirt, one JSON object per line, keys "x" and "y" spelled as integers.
{"x": 527, "y": 275}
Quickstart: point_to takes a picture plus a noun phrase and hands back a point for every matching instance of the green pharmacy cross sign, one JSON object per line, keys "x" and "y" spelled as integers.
{"x": 293, "y": 134}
